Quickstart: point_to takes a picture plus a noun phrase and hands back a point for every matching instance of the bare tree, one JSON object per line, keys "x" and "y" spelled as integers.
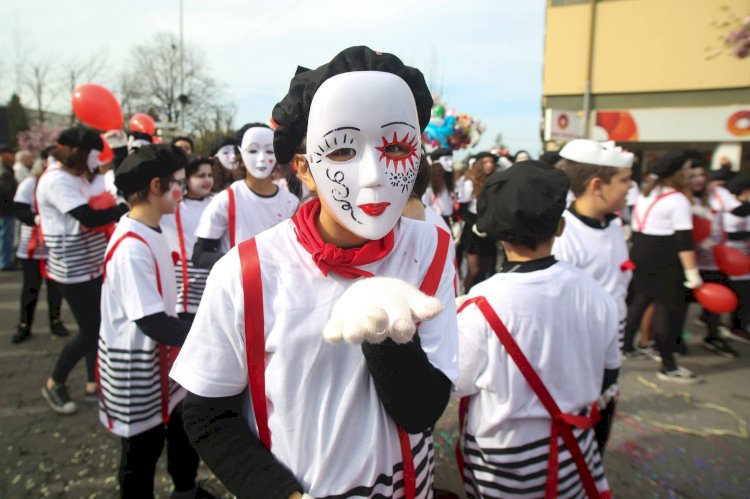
{"x": 155, "y": 84}
{"x": 38, "y": 78}
{"x": 75, "y": 72}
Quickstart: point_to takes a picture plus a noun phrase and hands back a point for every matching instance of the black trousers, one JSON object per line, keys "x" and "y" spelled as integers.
{"x": 741, "y": 317}
{"x": 141, "y": 452}
{"x": 666, "y": 325}
{"x": 84, "y": 300}
{"x": 32, "y": 285}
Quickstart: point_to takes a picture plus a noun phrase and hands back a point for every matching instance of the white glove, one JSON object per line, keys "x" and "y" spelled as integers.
{"x": 701, "y": 211}
{"x": 37, "y": 220}
{"x": 307, "y": 496}
{"x": 377, "y": 308}
{"x": 116, "y": 138}
{"x": 460, "y": 300}
{"x": 707, "y": 244}
{"x": 692, "y": 279}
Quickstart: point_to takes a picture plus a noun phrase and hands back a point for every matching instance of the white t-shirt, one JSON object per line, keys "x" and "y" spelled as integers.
{"x": 25, "y": 195}
{"x": 327, "y": 424}
{"x": 566, "y": 326}
{"x": 253, "y": 215}
{"x": 467, "y": 194}
{"x": 460, "y": 189}
{"x": 669, "y": 214}
{"x": 75, "y": 253}
{"x": 442, "y": 204}
{"x": 128, "y": 359}
{"x": 598, "y": 252}
{"x": 190, "y": 214}
{"x": 720, "y": 201}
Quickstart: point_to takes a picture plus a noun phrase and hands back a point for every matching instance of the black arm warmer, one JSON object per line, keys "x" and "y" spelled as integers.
{"x": 23, "y": 212}
{"x": 96, "y": 218}
{"x": 684, "y": 240}
{"x": 206, "y": 253}
{"x": 610, "y": 378}
{"x": 413, "y": 392}
{"x": 738, "y": 236}
{"x": 223, "y": 440}
{"x": 164, "y": 329}
{"x": 742, "y": 210}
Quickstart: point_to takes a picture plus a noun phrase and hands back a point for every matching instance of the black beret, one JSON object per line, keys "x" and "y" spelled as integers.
{"x": 721, "y": 175}
{"x": 82, "y": 137}
{"x": 247, "y": 126}
{"x": 485, "y": 154}
{"x": 439, "y": 153}
{"x": 185, "y": 138}
{"x": 292, "y": 112}
{"x": 141, "y": 136}
{"x": 148, "y": 162}
{"x": 697, "y": 160}
{"x": 669, "y": 164}
{"x": 524, "y": 201}
{"x": 550, "y": 157}
{"x": 6, "y": 148}
{"x": 740, "y": 182}
{"x": 221, "y": 141}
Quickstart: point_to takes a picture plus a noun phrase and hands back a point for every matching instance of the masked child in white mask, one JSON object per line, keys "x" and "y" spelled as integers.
{"x": 248, "y": 206}
{"x": 334, "y": 418}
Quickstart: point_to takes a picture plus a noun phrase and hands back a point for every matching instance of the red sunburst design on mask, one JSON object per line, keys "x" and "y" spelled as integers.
{"x": 408, "y": 153}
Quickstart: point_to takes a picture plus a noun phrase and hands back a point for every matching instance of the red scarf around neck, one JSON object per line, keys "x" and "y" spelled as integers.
{"x": 331, "y": 258}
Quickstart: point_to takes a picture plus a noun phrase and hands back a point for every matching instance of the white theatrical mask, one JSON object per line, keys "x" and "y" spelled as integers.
{"x": 257, "y": 151}
{"x": 364, "y": 145}
{"x": 446, "y": 162}
{"x": 227, "y": 156}
{"x": 92, "y": 160}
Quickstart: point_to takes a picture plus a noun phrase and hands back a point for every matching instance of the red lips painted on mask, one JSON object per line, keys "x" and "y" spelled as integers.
{"x": 374, "y": 209}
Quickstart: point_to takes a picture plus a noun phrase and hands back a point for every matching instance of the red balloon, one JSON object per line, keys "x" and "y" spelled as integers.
{"x": 95, "y": 106}
{"x": 157, "y": 140}
{"x": 701, "y": 229}
{"x": 731, "y": 261}
{"x": 141, "y": 122}
{"x": 102, "y": 201}
{"x": 107, "y": 154}
{"x": 716, "y": 298}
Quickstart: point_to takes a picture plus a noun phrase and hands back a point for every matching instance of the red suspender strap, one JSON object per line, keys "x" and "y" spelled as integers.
{"x": 429, "y": 286}
{"x": 255, "y": 339}
{"x": 183, "y": 259}
{"x": 562, "y": 423}
{"x": 163, "y": 349}
{"x": 232, "y": 217}
{"x": 40, "y": 234}
{"x": 641, "y": 222}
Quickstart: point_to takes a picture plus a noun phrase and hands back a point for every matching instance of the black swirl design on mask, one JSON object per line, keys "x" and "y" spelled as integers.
{"x": 340, "y": 195}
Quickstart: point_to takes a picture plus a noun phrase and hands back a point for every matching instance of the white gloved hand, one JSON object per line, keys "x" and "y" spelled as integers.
{"x": 460, "y": 300}
{"x": 692, "y": 279}
{"x": 701, "y": 211}
{"x": 37, "y": 220}
{"x": 377, "y": 308}
{"x": 707, "y": 244}
{"x": 116, "y": 138}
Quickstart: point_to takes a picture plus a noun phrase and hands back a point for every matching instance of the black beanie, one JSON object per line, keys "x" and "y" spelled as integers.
{"x": 146, "y": 163}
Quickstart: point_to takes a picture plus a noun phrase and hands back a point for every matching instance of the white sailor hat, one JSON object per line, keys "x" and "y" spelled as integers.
{"x": 597, "y": 153}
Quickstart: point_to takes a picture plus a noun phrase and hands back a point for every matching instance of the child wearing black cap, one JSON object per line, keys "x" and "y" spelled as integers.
{"x": 138, "y": 402}
{"x": 665, "y": 262}
{"x": 75, "y": 253}
{"x": 225, "y": 166}
{"x": 248, "y": 206}
{"x": 439, "y": 195}
{"x": 331, "y": 418}
{"x": 537, "y": 343}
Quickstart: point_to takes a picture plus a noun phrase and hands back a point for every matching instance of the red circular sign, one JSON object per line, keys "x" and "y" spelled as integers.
{"x": 562, "y": 121}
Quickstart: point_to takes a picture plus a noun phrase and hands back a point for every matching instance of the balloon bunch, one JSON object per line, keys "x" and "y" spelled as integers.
{"x": 451, "y": 130}
{"x": 97, "y": 107}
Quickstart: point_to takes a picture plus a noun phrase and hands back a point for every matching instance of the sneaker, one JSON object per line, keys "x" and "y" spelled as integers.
{"x": 719, "y": 346}
{"x": 741, "y": 335}
{"x": 650, "y": 352}
{"x": 59, "y": 400}
{"x": 679, "y": 375}
{"x": 195, "y": 493}
{"x": 23, "y": 333}
{"x": 57, "y": 329}
{"x": 90, "y": 396}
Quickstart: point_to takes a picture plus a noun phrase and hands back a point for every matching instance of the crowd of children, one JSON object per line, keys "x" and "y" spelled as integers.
{"x": 300, "y": 333}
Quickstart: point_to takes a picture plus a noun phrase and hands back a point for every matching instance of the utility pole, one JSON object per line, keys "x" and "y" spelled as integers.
{"x": 182, "y": 97}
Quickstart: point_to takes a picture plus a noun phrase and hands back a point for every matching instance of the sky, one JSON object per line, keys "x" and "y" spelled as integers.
{"x": 484, "y": 56}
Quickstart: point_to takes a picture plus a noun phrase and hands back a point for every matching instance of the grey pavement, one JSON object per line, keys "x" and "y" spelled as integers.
{"x": 668, "y": 440}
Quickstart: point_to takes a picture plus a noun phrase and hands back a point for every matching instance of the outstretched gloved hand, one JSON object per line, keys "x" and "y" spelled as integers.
{"x": 377, "y": 308}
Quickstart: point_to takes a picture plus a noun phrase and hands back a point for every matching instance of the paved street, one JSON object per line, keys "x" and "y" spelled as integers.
{"x": 669, "y": 441}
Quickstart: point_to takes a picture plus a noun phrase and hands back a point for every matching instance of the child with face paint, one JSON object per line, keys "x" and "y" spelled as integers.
{"x": 331, "y": 418}
{"x": 138, "y": 402}
{"x": 439, "y": 194}
{"x": 248, "y": 206}
{"x": 225, "y": 166}
{"x": 180, "y": 231}
{"x": 75, "y": 254}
